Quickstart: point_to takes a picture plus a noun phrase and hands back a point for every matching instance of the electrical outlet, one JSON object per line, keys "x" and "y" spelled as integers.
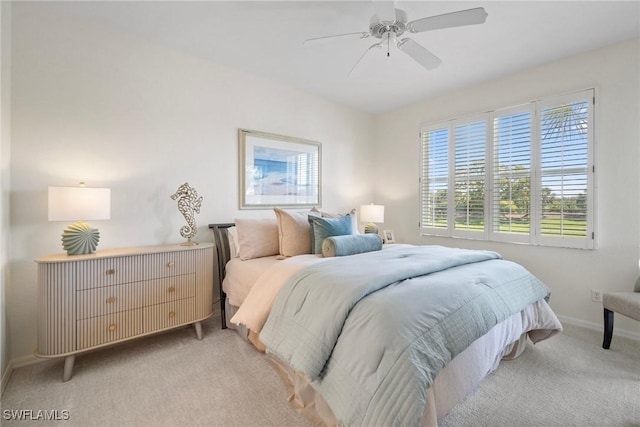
{"x": 596, "y": 295}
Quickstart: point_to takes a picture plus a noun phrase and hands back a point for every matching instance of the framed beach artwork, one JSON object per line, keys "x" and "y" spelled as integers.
{"x": 278, "y": 171}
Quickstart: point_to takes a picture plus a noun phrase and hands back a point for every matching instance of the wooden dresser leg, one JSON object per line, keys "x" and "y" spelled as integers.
{"x": 198, "y": 326}
{"x": 68, "y": 367}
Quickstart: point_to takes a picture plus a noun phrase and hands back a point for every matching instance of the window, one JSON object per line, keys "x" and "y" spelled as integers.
{"x": 522, "y": 174}
{"x": 566, "y": 175}
{"x": 435, "y": 164}
{"x": 469, "y": 176}
{"x": 511, "y": 195}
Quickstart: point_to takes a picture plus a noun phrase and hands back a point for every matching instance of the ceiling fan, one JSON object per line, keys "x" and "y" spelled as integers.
{"x": 389, "y": 23}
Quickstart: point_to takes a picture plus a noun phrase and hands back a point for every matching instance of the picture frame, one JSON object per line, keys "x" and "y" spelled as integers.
{"x": 278, "y": 171}
{"x": 388, "y": 236}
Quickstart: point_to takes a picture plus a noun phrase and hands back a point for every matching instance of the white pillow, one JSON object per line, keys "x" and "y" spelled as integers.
{"x": 257, "y": 238}
{"x": 294, "y": 232}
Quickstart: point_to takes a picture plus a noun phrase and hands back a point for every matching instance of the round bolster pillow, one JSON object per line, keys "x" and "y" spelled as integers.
{"x": 351, "y": 244}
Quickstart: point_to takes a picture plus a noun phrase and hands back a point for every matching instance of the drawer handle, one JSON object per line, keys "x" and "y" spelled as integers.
{"x": 111, "y": 271}
{"x": 171, "y": 289}
{"x": 112, "y": 327}
{"x": 170, "y": 264}
{"x": 111, "y": 300}
{"x": 172, "y": 314}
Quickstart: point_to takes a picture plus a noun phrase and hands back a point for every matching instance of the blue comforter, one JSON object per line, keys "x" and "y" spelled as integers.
{"x": 371, "y": 331}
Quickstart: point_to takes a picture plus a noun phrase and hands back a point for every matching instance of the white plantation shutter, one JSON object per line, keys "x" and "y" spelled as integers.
{"x": 434, "y": 179}
{"x": 566, "y": 170}
{"x": 511, "y": 195}
{"x": 524, "y": 174}
{"x": 469, "y": 177}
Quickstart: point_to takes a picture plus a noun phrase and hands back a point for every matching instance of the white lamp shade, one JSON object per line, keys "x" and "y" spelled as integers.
{"x": 79, "y": 203}
{"x": 372, "y": 213}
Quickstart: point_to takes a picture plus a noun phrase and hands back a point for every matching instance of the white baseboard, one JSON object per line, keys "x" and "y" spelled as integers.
{"x": 19, "y": 363}
{"x": 6, "y": 375}
{"x": 27, "y": 360}
{"x": 599, "y": 327}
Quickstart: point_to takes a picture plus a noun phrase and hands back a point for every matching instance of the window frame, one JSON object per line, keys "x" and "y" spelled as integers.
{"x": 534, "y": 237}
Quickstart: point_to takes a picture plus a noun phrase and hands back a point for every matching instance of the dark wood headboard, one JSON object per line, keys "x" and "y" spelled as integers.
{"x": 221, "y": 241}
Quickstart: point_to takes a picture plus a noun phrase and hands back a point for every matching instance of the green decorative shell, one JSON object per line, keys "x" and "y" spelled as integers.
{"x": 80, "y": 239}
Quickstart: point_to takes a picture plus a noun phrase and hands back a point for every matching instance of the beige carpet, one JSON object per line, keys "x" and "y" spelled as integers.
{"x": 568, "y": 380}
{"x": 172, "y": 379}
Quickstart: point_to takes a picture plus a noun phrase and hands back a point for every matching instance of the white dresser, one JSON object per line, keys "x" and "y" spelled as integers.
{"x": 91, "y": 301}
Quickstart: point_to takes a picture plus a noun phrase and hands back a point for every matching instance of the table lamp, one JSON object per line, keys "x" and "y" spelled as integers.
{"x": 79, "y": 204}
{"x": 371, "y": 214}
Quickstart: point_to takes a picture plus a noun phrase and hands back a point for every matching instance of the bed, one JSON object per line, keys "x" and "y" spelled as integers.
{"x": 358, "y": 340}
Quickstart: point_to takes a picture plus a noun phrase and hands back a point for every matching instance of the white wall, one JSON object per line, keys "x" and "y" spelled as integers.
{"x": 96, "y": 105}
{"x": 5, "y": 156}
{"x": 571, "y": 274}
{"x": 92, "y": 104}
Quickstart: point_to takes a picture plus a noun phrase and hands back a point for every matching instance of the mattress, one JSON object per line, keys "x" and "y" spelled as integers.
{"x": 242, "y": 275}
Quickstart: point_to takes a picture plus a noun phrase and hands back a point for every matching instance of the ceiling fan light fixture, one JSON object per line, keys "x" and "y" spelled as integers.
{"x": 389, "y": 39}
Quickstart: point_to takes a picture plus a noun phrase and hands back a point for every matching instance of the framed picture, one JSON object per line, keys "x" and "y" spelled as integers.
{"x": 278, "y": 171}
{"x": 388, "y": 236}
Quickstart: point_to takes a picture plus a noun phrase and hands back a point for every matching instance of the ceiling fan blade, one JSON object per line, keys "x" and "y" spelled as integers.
{"x": 385, "y": 10}
{"x": 376, "y": 45}
{"x": 419, "y": 54}
{"x": 454, "y": 19}
{"x": 322, "y": 40}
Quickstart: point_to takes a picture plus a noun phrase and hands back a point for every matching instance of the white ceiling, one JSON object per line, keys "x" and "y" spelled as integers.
{"x": 265, "y": 38}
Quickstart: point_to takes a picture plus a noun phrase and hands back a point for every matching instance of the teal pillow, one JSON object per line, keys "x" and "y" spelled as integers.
{"x": 321, "y": 228}
{"x": 351, "y": 245}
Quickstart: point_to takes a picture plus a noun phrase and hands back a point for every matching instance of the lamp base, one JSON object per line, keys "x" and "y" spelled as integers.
{"x": 80, "y": 239}
{"x": 371, "y": 228}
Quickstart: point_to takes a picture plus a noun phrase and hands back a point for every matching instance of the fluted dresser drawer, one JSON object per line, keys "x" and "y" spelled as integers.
{"x": 168, "y": 314}
{"x": 109, "y": 299}
{"x": 169, "y": 264}
{"x": 108, "y": 328}
{"x": 109, "y": 271}
{"x": 169, "y": 289}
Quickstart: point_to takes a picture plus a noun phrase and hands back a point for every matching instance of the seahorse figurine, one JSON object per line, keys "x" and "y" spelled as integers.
{"x": 188, "y": 204}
